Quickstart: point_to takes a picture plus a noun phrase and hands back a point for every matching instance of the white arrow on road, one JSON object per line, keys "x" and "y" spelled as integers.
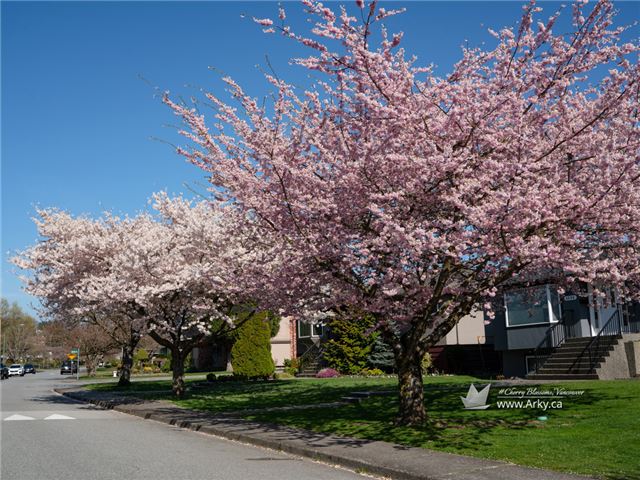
{"x": 57, "y": 416}
{"x": 18, "y": 417}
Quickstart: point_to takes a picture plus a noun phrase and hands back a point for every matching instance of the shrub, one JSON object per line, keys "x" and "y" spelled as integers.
{"x": 327, "y": 373}
{"x": 291, "y": 366}
{"x": 426, "y": 363}
{"x": 372, "y": 372}
{"x": 211, "y": 377}
{"x": 147, "y": 370}
{"x": 291, "y": 363}
{"x": 251, "y": 353}
{"x": 381, "y": 356}
{"x": 350, "y": 343}
{"x": 189, "y": 364}
{"x": 166, "y": 364}
{"x": 140, "y": 357}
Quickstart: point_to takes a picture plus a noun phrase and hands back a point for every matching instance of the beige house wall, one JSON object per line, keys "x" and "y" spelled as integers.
{"x": 281, "y": 343}
{"x": 468, "y": 331}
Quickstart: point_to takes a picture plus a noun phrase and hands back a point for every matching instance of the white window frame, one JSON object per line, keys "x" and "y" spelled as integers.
{"x": 311, "y": 325}
{"x": 550, "y": 312}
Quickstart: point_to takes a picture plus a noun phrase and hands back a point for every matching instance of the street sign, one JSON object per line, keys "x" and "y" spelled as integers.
{"x": 75, "y": 350}
{"x": 71, "y": 356}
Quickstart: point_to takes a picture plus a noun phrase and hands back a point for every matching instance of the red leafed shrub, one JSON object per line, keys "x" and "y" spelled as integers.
{"x": 327, "y": 373}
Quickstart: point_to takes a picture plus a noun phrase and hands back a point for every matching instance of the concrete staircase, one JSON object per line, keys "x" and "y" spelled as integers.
{"x": 310, "y": 362}
{"x": 309, "y": 369}
{"x": 570, "y": 361}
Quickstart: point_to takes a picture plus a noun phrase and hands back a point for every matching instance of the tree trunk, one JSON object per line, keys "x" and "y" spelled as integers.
{"x": 127, "y": 363}
{"x": 412, "y": 410}
{"x": 89, "y": 363}
{"x": 177, "y": 367}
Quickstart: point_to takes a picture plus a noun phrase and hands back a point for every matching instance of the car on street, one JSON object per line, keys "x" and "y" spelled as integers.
{"x": 16, "y": 369}
{"x": 68, "y": 367}
{"x": 29, "y": 368}
{"x": 4, "y": 371}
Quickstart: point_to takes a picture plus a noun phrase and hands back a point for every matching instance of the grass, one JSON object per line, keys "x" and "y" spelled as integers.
{"x": 238, "y": 396}
{"x": 160, "y": 384}
{"x": 594, "y": 434}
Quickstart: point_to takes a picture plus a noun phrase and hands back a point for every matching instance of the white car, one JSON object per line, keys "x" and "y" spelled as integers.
{"x": 16, "y": 369}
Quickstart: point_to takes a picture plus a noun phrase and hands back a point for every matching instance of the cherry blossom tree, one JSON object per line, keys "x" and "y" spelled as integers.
{"x": 415, "y": 197}
{"x": 69, "y": 272}
{"x": 171, "y": 275}
{"x": 194, "y": 266}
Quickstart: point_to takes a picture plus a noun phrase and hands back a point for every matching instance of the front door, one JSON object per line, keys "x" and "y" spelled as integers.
{"x": 601, "y": 310}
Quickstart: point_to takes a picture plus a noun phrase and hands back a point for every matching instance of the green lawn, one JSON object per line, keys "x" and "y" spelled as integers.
{"x": 140, "y": 378}
{"x": 596, "y": 434}
{"x": 238, "y": 396}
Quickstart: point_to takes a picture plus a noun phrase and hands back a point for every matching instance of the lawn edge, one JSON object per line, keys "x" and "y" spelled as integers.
{"x": 481, "y": 467}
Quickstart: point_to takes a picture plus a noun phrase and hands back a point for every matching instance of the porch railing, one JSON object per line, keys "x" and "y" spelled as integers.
{"x": 312, "y": 355}
{"x": 613, "y": 328}
{"x": 553, "y": 338}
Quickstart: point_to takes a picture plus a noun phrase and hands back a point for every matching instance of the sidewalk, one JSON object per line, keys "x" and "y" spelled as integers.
{"x": 365, "y": 456}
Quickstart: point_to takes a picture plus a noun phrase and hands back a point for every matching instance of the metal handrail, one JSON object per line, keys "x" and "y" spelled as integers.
{"x": 311, "y": 354}
{"x": 613, "y": 328}
{"x": 553, "y": 338}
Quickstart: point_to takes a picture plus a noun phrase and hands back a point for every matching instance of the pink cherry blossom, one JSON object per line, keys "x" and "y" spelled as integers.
{"x": 413, "y": 196}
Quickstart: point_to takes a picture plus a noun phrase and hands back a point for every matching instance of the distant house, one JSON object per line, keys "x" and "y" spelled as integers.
{"x": 213, "y": 355}
{"x": 465, "y": 349}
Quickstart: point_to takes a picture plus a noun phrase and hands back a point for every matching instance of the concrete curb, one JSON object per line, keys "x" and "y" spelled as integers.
{"x": 371, "y": 457}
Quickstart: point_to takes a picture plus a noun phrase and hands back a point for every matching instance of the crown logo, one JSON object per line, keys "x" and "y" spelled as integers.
{"x": 476, "y": 400}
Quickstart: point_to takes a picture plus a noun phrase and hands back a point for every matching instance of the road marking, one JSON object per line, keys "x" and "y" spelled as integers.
{"x": 57, "y": 416}
{"x": 18, "y": 417}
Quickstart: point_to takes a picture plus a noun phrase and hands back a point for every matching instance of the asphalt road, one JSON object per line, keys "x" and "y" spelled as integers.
{"x": 45, "y": 436}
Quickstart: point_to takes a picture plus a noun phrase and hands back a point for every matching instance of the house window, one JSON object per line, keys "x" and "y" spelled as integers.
{"x": 531, "y": 306}
{"x": 304, "y": 329}
{"x": 308, "y": 330}
{"x": 317, "y": 330}
{"x": 530, "y": 361}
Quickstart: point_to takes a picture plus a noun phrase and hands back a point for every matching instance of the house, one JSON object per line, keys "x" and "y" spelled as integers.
{"x": 467, "y": 349}
{"x": 547, "y": 335}
{"x": 211, "y": 355}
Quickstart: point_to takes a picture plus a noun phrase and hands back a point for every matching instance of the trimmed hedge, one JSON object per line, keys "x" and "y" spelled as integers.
{"x": 251, "y": 353}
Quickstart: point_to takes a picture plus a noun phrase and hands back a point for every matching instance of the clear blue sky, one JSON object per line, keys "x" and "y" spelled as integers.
{"x": 78, "y": 122}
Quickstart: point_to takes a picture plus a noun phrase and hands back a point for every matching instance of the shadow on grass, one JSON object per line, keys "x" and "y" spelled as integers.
{"x": 449, "y": 426}
{"x": 238, "y": 396}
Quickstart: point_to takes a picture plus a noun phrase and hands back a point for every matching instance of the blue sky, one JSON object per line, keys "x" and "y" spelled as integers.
{"x": 81, "y": 115}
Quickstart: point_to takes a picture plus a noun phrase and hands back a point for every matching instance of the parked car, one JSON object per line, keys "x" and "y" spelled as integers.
{"x": 68, "y": 367}
{"x": 16, "y": 369}
{"x": 4, "y": 371}
{"x": 29, "y": 368}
